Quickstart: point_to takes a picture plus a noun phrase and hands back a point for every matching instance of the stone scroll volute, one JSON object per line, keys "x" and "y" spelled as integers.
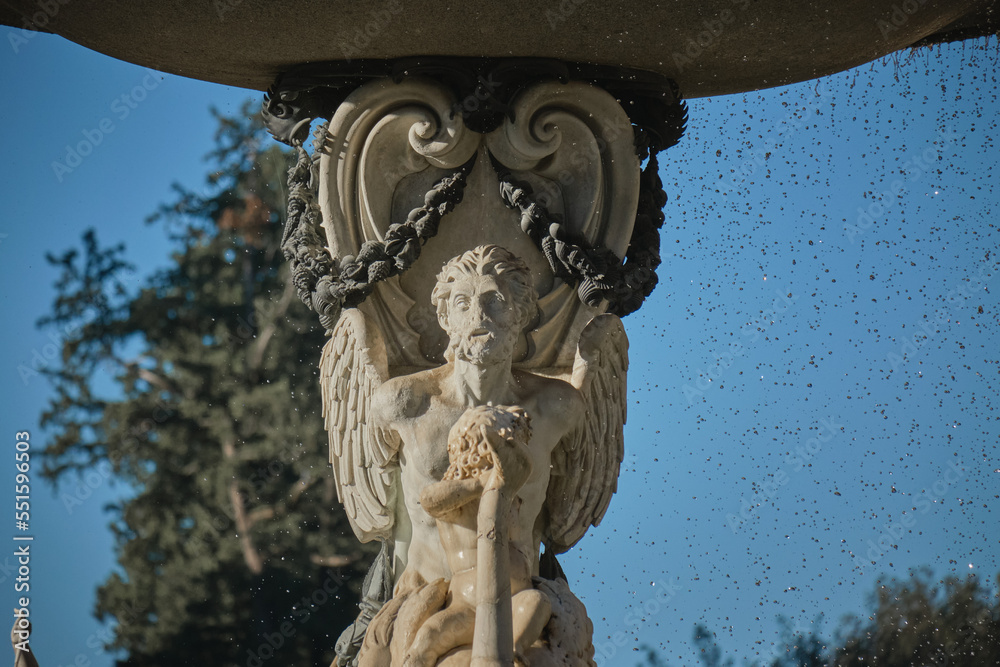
{"x": 388, "y": 143}
{"x": 462, "y": 259}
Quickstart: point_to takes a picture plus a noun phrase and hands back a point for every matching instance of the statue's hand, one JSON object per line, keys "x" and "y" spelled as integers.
{"x": 18, "y": 633}
{"x": 513, "y": 466}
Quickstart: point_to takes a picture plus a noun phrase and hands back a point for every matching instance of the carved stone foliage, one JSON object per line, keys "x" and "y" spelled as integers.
{"x": 527, "y": 153}
{"x": 475, "y": 411}
{"x": 482, "y": 87}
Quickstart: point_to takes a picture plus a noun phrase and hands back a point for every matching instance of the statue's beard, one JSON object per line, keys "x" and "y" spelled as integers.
{"x": 483, "y": 350}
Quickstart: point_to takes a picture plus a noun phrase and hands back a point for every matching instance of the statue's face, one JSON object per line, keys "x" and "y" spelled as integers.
{"x": 482, "y": 320}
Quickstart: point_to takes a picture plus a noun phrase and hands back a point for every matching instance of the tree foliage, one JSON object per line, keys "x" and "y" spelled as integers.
{"x": 917, "y": 622}
{"x": 197, "y": 389}
{"x": 954, "y": 623}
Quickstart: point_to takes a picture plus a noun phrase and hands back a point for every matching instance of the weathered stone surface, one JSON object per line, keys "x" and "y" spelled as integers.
{"x": 468, "y": 468}
{"x": 389, "y": 143}
{"x": 709, "y": 47}
{"x": 436, "y": 363}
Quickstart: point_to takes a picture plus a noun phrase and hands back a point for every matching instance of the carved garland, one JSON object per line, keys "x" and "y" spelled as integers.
{"x": 600, "y": 274}
{"x": 327, "y": 284}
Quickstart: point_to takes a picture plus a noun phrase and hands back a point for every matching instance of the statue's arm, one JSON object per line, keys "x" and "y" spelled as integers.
{"x": 576, "y": 406}
{"x": 442, "y": 499}
{"x": 389, "y": 408}
{"x": 569, "y": 404}
{"x": 19, "y": 636}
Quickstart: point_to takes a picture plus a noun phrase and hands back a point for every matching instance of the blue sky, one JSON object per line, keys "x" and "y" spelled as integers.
{"x": 812, "y": 384}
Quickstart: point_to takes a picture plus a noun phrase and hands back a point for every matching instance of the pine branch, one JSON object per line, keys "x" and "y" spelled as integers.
{"x": 251, "y": 555}
{"x": 265, "y": 336}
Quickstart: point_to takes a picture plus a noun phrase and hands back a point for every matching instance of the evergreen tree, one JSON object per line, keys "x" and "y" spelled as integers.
{"x": 915, "y": 623}
{"x": 708, "y": 648}
{"x": 233, "y": 548}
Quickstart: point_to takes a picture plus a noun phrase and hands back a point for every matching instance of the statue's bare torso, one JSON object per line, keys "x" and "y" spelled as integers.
{"x": 423, "y": 407}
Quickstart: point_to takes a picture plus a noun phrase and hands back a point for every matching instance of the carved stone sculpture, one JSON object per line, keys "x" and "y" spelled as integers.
{"x": 390, "y": 441}
{"x": 417, "y": 167}
{"x": 20, "y": 636}
{"x": 491, "y": 603}
{"x": 475, "y": 411}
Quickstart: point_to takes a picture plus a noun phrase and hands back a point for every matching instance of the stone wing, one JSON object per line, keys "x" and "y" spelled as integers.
{"x": 587, "y": 461}
{"x": 363, "y": 456}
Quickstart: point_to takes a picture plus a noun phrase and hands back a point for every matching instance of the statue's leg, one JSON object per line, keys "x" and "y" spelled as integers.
{"x": 450, "y": 628}
{"x": 375, "y": 648}
{"x": 419, "y": 606}
{"x": 532, "y": 611}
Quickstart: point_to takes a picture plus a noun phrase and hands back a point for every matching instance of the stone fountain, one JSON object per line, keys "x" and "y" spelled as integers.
{"x": 476, "y": 203}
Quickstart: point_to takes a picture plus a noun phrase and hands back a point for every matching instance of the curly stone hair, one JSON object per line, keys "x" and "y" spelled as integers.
{"x": 469, "y": 441}
{"x": 488, "y": 260}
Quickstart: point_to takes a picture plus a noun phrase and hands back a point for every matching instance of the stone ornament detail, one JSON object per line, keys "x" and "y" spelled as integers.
{"x": 475, "y": 413}
{"x": 327, "y": 284}
{"x": 388, "y": 143}
{"x": 483, "y": 89}
{"x": 601, "y": 276}
{"x": 495, "y": 100}
{"x": 464, "y": 470}
{"x": 300, "y": 242}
